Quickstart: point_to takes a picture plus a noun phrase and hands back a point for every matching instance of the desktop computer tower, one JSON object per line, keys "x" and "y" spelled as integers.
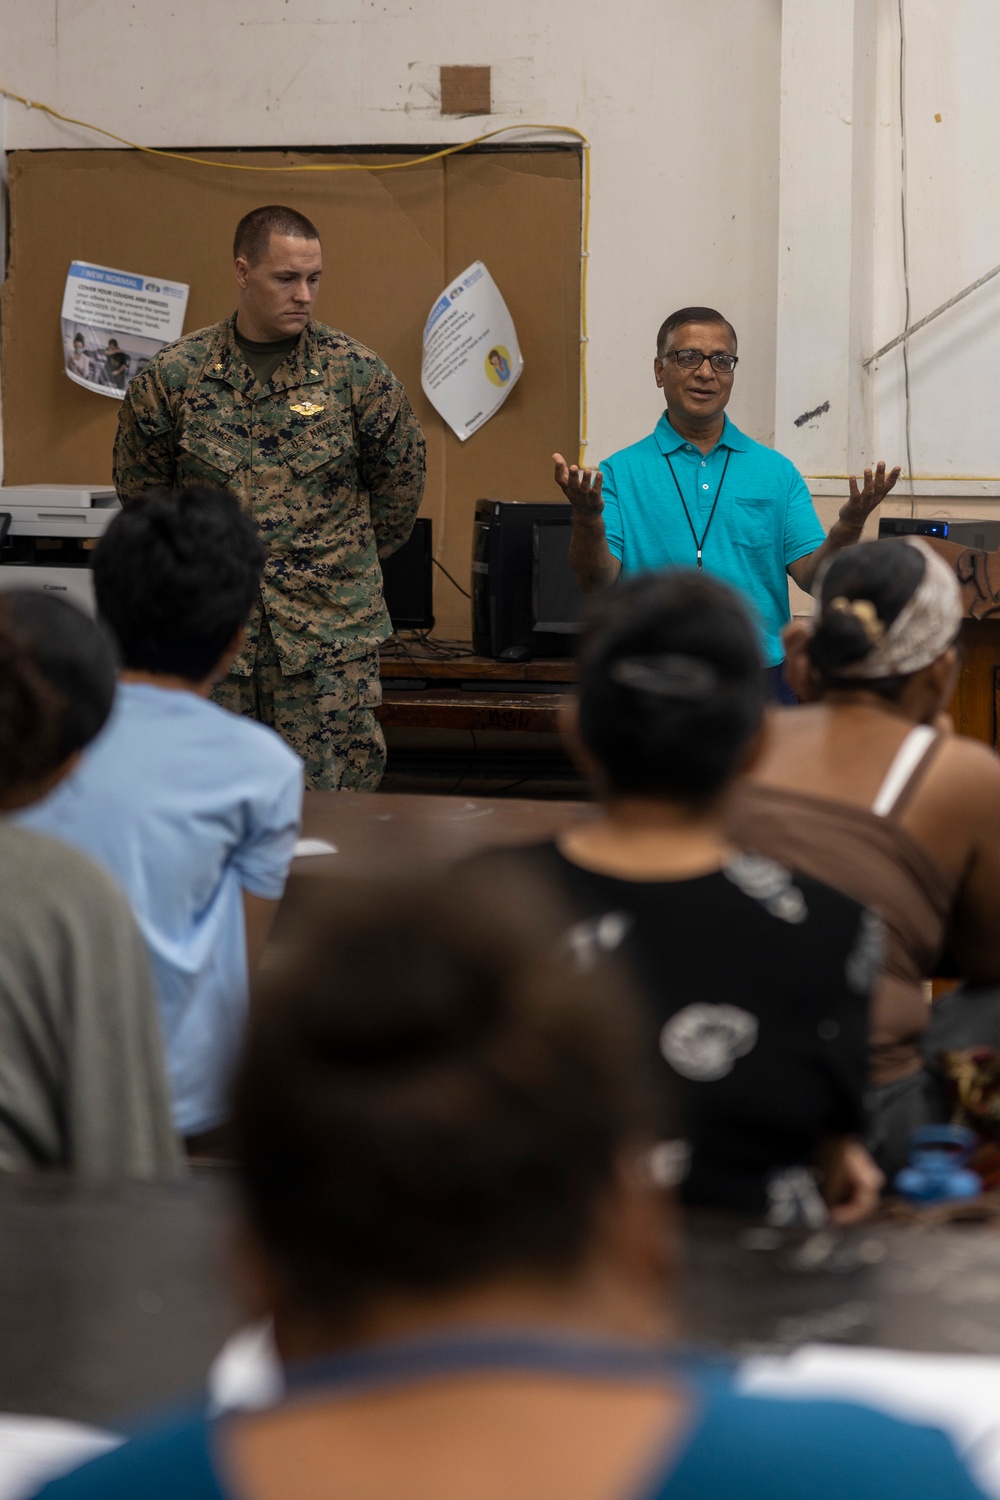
{"x": 503, "y": 577}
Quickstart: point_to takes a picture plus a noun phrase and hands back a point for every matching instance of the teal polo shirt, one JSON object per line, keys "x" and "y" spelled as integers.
{"x": 764, "y": 520}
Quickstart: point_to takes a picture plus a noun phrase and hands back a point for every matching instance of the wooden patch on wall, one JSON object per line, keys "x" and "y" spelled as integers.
{"x": 465, "y": 91}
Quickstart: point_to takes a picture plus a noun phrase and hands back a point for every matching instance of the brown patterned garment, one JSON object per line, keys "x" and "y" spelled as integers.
{"x": 328, "y": 458}
{"x": 877, "y": 862}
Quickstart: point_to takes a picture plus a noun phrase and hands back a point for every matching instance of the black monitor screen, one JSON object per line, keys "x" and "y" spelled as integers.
{"x": 558, "y": 602}
{"x": 407, "y": 581}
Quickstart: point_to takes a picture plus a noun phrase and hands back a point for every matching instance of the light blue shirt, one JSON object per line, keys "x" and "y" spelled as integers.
{"x": 764, "y": 520}
{"x": 187, "y": 806}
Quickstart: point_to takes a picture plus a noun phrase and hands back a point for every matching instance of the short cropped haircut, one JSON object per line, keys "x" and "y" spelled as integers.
{"x": 74, "y": 657}
{"x": 176, "y": 575}
{"x": 671, "y": 687}
{"x": 690, "y": 315}
{"x": 254, "y": 231}
{"x": 435, "y": 1090}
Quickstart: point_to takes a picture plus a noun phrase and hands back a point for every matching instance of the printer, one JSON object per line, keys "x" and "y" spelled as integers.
{"x": 47, "y": 535}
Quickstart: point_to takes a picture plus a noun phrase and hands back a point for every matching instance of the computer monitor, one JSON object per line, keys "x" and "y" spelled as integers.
{"x": 556, "y": 598}
{"x": 502, "y": 568}
{"x": 408, "y": 582}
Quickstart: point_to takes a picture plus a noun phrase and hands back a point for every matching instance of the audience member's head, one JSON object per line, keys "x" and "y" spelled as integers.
{"x": 671, "y": 692}
{"x": 57, "y": 679}
{"x": 176, "y": 575}
{"x": 886, "y": 611}
{"x": 436, "y": 1094}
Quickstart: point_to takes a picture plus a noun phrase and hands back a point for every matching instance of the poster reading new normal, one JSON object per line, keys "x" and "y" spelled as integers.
{"x": 113, "y": 322}
{"x": 471, "y": 360}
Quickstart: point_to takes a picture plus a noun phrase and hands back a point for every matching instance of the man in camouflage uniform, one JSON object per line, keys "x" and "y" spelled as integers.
{"x": 316, "y": 437}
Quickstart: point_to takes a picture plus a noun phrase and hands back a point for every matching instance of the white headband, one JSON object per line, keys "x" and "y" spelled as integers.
{"x": 924, "y": 628}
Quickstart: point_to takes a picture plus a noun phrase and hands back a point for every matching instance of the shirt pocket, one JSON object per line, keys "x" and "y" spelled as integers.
{"x": 325, "y": 446}
{"x": 209, "y": 458}
{"x": 752, "y": 523}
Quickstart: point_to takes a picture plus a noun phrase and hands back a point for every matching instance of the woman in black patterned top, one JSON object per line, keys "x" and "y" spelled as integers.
{"x": 758, "y": 979}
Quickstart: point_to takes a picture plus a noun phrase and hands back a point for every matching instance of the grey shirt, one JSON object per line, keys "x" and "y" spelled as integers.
{"x": 82, "y": 1084}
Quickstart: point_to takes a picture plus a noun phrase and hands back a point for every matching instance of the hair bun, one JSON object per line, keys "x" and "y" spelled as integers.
{"x": 686, "y": 679}
{"x": 845, "y": 633}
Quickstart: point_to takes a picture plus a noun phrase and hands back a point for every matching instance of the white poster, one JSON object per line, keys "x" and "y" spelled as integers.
{"x": 471, "y": 357}
{"x": 113, "y": 322}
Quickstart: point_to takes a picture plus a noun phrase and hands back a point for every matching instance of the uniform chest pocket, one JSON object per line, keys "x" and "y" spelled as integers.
{"x": 208, "y": 455}
{"x": 752, "y": 523}
{"x": 327, "y": 445}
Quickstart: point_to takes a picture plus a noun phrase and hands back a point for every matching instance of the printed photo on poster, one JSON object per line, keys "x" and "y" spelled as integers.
{"x": 113, "y": 322}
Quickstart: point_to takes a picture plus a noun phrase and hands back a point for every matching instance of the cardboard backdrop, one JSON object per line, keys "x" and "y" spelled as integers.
{"x": 392, "y": 241}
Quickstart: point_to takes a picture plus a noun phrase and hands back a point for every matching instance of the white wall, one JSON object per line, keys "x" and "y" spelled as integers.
{"x": 840, "y": 175}
{"x": 681, "y": 103}
{"x": 696, "y": 135}
{"x": 954, "y": 236}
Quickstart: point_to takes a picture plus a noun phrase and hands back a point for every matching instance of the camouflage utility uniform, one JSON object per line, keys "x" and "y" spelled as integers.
{"x": 328, "y": 458}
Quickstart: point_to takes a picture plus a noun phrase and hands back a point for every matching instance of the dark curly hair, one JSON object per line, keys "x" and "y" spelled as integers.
{"x": 175, "y": 577}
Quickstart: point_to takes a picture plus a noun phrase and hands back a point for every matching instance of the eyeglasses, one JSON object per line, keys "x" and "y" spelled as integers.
{"x": 693, "y": 359}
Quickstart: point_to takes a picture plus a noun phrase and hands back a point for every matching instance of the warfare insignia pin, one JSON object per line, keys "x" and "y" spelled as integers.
{"x": 306, "y": 408}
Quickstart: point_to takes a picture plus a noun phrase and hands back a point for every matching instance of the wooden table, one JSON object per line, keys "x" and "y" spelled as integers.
{"x": 115, "y": 1298}
{"x": 384, "y": 832}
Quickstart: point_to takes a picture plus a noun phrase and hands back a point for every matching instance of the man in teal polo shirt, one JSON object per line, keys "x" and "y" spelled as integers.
{"x": 698, "y": 493}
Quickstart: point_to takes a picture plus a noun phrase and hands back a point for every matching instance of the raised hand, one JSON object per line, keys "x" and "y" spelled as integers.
{"x": 582, "y": 487}
{"x": 869, "y": 497}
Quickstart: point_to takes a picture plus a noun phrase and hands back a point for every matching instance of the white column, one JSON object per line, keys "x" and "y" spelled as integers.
{"x": 825, "y": 238}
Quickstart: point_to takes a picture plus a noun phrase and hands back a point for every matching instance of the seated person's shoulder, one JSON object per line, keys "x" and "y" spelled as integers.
{"x": 961, "y": 788}
{"x": 962, "y": 757}
{"x": 164, "y": 1464}
{"x": 59, "y": 908}
{"x": 51, "y": 874}
{"x": 825, "y": 1450}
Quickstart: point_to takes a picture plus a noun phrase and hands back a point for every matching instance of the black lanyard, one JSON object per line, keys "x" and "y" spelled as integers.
{"x": 711, "y": 515}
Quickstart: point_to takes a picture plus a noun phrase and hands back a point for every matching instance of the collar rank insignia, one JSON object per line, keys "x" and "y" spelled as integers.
{"x": 306, "y": 408}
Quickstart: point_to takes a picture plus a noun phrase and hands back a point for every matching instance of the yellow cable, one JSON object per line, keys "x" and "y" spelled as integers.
{"x": 927, "y": 479}
{"x": 392, "y": 166}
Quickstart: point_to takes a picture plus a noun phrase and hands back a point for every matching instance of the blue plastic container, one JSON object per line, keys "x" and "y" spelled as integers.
{"x": 937, "y": 1172}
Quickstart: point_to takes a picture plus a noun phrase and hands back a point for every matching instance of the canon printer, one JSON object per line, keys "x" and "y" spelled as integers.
{"x": 49, "y": 532}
